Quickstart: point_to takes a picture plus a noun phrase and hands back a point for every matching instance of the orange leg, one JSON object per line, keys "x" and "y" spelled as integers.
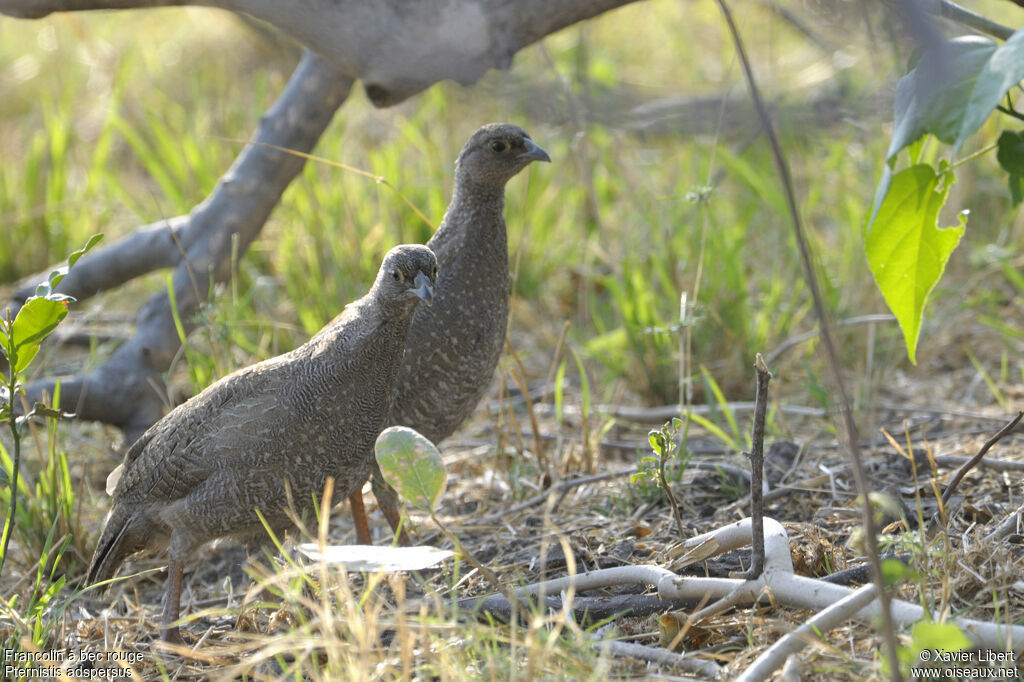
{"x": 355, "y": 500}
{"x": 172, "y": 601}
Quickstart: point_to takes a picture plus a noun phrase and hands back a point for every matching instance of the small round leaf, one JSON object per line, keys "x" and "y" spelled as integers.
{"x": 412, "y": 465}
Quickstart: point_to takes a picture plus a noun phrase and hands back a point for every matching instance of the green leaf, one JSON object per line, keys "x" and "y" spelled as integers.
{"x": 35, "y": 321}
{"x": 56, "y": 276}
{"x": 93, "y": 241}
{"x": 930, "y": 97}
{"x": 656, "y": 441}
{"x": 1016, "y": 185}
{"x": 895, "y": 571}
{"x": 940, "y": 636}
{"x": 906, "y": 250}
{"x": 1010, "y": 152}
{"x": 1002, "y": 70}
{"x": 5, "y": 339}
{"x": 412, "y": 465}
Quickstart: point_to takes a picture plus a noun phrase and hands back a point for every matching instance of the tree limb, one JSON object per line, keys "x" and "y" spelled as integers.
{"x": 397, "y": 48}
{"x": 127, "y": 390}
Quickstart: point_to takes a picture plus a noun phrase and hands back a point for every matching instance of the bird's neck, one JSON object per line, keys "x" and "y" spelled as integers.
{"x": 475, "y": 215}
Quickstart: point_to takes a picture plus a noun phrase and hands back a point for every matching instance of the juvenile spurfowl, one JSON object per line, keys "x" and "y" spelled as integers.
{"x": 267, "y": 436}
{"x": 451, "y": 352}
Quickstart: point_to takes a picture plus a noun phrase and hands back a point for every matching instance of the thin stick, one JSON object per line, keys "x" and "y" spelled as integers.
{"x": 965, "y": 17}
{"x": 1007, "y": 526}
{"x": 764, "y": 377}
{"x": 870, "y": 530}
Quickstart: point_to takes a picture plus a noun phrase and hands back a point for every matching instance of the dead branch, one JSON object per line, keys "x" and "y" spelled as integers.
{"x": 396, "y": 48}
{"x": 764, "y": 377}
{"x": 128, "y": 389}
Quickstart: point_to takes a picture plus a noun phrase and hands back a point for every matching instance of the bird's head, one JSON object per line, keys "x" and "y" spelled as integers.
{"x": 409, "y": 272}
{"x": 495, "y": 153}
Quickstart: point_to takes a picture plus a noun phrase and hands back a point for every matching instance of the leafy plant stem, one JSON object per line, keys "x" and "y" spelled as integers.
{"x": 972, "y": 157}
{"x": 12, "y": 424}
{"x": 1010, "y": 112}
{"x": 871, "y": 540}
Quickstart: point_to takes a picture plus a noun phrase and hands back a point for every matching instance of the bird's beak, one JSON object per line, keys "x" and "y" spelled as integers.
{"x": 424, "y": 289}
{"x": 534, "y": 152}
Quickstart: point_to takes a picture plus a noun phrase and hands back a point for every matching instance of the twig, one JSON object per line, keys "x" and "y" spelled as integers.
{"x": 800, "y": 338}
{"x": 870, "y": 531}
{"x": 962, "y": 471}
{"x": 778, "y": 585}
{"x": 565, "y": 486}
{"x": 941, "y": 411}
{"x": 764, "y": 377}
{"x": 585, "y": 610}
{"x": 995, "y": 464}
{"x": 689, "y": 664}
{"x": 1006, "y": 526}
{"x": 962, "y": 15}
{"x": 660, "y": 414}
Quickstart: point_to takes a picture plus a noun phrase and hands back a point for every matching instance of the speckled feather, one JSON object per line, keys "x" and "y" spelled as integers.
{"x": 268, "y": 434}
{"x": 453, "y": 349}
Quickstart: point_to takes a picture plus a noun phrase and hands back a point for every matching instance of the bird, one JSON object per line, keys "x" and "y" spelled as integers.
{"x": 266, "y": 437}
{"x": 457, "y": 346}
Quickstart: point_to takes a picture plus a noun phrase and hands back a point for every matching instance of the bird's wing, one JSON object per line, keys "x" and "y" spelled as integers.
{"x": 180, "y": 451}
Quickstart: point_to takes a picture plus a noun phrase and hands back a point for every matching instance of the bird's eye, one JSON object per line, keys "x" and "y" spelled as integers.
{"x": 396, "y": 275}
{"x": 499, "y": 146}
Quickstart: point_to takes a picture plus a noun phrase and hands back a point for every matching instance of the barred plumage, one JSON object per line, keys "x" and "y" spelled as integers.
{"x": 267, "y": 436}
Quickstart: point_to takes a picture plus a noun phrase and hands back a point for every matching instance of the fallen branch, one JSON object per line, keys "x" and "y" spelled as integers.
{"x": 829, "y": 619}
{"x": 1007, "y": 525}
{"x": 777, "y": 586}
{"x": 687, "y": 663}
{"x": 128, "y": 389}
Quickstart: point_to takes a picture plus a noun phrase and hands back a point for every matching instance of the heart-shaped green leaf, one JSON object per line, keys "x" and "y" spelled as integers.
{"x": 907, "y": 251}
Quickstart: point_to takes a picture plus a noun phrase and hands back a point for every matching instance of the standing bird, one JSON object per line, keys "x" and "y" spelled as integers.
{"x": 268, "y": 436}
{"x": 451, "y": 353}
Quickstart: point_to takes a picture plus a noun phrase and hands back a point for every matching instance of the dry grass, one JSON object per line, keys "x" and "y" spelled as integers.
{"x": 324, "y": 624}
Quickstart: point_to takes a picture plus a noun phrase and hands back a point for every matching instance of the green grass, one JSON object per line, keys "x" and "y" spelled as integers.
{"x": 103, "y": 132}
